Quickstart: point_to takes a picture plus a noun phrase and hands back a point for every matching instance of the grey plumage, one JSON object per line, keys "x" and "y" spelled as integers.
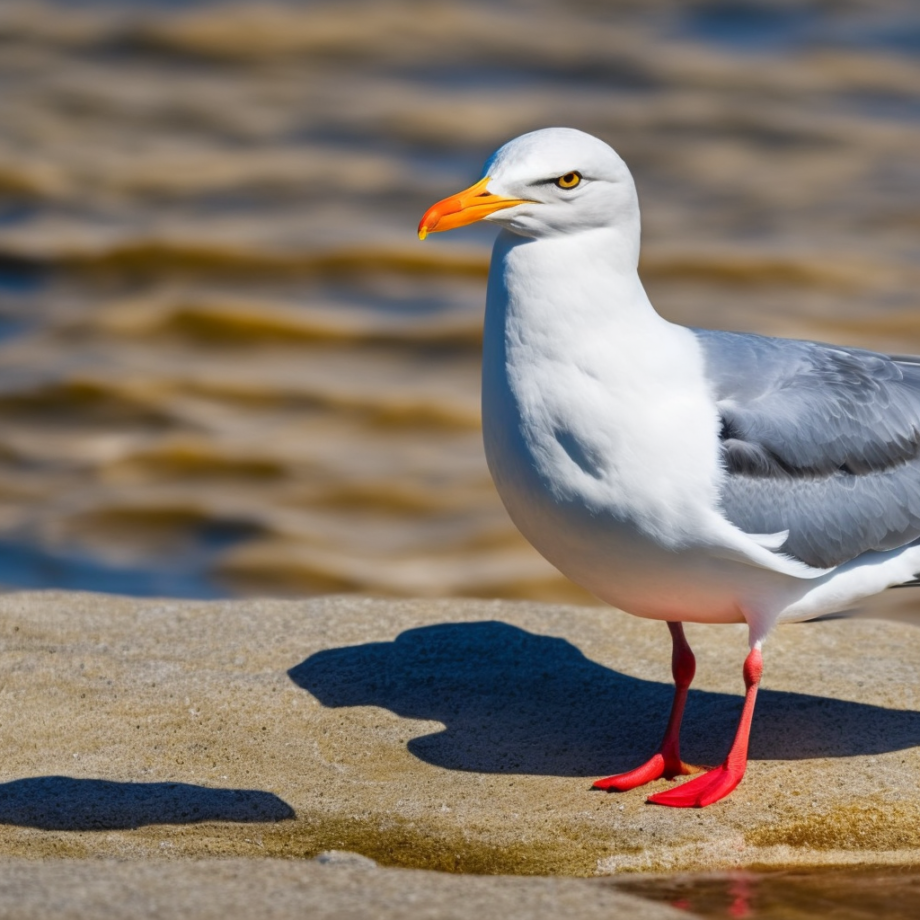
{"x": 819, "y": 440}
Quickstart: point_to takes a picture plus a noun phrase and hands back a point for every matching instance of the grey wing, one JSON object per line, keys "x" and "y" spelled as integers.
{"x": 819, "y": 440}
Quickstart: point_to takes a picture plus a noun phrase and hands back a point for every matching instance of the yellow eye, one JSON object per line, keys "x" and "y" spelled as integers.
{"x": 569, "y": 180}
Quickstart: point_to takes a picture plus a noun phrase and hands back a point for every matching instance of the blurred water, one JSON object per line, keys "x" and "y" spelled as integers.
{"x": 226, "y": 363}
{"x": 851, "y": 893}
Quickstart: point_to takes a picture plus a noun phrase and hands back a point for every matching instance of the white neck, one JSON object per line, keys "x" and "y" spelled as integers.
{"x": 586, "y": 387}
{"x": 556, "y": 286}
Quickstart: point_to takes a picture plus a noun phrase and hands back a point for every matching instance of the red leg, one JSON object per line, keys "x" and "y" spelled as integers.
{"x": 667, "y": 761}
{"x": 718, "y": 783}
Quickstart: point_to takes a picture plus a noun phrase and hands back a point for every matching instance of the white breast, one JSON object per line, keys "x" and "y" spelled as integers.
{"x": 607, "y": 403}
{"x": 599, "y": 430}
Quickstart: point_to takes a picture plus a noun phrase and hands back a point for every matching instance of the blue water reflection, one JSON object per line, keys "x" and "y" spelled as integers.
{"x": 26, "y": 566}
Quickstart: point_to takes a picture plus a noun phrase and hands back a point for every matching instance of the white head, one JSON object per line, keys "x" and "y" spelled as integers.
{"x": 546, "y": 183}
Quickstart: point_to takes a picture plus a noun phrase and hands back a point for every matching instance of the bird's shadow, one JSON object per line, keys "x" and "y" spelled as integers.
{"x": 512, "y": 701}
{"x": 64, "y": 803}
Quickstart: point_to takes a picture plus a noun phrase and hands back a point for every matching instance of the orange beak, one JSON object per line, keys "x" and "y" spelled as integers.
{"x": 464, "y": 208}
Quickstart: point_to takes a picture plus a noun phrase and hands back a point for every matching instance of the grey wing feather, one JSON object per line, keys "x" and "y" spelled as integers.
{"x": 819, "y": 440}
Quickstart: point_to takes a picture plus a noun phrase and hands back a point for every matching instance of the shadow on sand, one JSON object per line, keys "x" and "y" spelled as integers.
{"x": 515, "y": 702}
{"x": 62, "y": 803}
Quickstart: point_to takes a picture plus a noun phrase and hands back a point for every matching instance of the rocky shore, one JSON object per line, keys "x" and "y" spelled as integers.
{"x": 459, "y": 736}
{"x": 342, "y": 887}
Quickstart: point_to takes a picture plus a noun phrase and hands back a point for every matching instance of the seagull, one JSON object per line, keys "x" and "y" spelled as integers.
{"x": 679, "y": 474}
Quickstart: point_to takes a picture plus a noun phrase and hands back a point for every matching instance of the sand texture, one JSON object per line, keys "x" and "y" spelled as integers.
{"x": 451, "y": 735}
{"x": 272, "y": 889}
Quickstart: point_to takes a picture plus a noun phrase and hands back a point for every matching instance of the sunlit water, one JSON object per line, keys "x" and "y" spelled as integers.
{"x": 824, "y": 894}
{"x": 226, "y": 363}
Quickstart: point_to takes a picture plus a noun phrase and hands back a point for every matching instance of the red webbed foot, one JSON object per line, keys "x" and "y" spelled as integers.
{"x": 702, "y": 791}
{"x": 667, "y": 761}
{"x": 718, "y": 783}
{"x": 652, "y": 769}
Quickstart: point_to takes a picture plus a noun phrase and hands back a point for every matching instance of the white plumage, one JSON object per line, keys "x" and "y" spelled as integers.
{"x": 678, "y": 474}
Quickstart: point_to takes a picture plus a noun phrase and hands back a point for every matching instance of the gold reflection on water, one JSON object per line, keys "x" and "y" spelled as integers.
{"x": 844, "y": 894}
{"x": 225, "y": 348}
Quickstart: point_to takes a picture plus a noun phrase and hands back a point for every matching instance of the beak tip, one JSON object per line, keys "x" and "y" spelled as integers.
{"x": 466, "y": 207}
